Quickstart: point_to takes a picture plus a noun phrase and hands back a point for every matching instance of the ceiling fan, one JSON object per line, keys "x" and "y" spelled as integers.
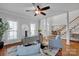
{"x": 39, "y": 10}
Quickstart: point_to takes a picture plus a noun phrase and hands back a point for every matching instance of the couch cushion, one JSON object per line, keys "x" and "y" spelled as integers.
{"x": 29, "y": 50}
{"x": 55, "y": 42}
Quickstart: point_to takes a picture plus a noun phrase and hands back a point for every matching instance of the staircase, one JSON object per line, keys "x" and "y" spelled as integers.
{"x": 74, "y": 29}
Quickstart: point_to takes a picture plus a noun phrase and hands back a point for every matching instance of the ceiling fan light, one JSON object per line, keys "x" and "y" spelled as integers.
{"x": 37, "y": 12}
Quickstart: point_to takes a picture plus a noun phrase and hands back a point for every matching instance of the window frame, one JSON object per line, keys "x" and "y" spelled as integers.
{"x": 13, "y": 30}
{"x": 32, "y": 30}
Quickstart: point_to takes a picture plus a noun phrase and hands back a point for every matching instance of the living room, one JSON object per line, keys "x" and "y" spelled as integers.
{"x": 25, "y": 26}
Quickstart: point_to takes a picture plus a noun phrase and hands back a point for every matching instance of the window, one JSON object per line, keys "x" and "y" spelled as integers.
{"x": 32, "y": 26}
{"x": 12, "y": 33}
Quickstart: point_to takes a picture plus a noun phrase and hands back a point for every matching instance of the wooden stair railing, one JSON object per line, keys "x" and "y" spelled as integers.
{"x": 64, "y": 27}
{"x": 74, "y": 27}
{"x": 69, "y": 23}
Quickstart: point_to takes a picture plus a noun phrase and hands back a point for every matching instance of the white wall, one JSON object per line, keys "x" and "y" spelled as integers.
{"x": 59, "y": 19}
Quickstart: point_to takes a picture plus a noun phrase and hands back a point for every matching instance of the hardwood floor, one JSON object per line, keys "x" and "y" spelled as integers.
{"x": 68, "y": 50}
{"x": 5, "y": 49}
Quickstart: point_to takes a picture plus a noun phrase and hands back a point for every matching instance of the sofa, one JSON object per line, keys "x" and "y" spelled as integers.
{"x": 55, "y": 43}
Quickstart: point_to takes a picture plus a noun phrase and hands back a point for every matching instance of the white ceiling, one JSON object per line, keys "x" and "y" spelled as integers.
{"x": 55, "y": 8}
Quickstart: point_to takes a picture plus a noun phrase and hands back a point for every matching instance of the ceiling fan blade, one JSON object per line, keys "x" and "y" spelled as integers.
{"x": 29, "y": 10}
{"x": 38, "y": 7}
{"x": 35, "y": 14}
{"x": 43, "y": 13}
{"x": 34, "y": 5}
{"x": 45, "y": 8}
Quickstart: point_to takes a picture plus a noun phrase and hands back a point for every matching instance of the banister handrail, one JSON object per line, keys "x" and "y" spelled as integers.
{"x": 74, "y": 27}
{"x": 71, "y": 28}
{"x": 62, "y": 28}
{"x": 74, "y": 19}
{"x": 70, "y": 22}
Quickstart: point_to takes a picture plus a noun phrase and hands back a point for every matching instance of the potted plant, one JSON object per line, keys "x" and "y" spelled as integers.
{"x": 39, "y": 30}
{"x": 3, "y": 27}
